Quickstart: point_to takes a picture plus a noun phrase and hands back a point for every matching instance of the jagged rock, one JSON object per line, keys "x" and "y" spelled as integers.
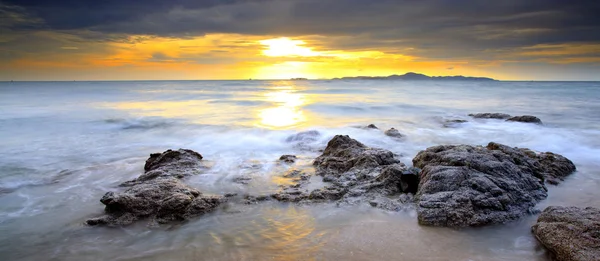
{"x": 356, "y": 174}
{"x": 500, "y": 116}
{"x": 288, "y": 158}
{"x": 159, "y": 194}
{"x": 464, "y": 185}
{"x": 526, "y": 118}
{"x": 171, "y": 163}
{"x": 570, "y": 233}
{"x": 344, "y": 154}
{"x": 162, "y": 200}
{"x": 394, "y": 133}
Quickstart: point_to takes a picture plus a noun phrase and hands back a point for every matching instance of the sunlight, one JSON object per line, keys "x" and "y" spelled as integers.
{"x": 286, "y": 47}
{"x": 286, "y": 113}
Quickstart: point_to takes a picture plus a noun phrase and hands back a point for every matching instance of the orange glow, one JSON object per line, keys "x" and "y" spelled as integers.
{"x": 235, "y": 56}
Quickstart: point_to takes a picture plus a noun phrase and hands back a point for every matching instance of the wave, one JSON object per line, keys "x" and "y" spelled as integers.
{"x": 145, "y": 123}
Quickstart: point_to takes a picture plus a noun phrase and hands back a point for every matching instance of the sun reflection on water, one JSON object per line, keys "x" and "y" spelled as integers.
{"x": 287, "y": 111}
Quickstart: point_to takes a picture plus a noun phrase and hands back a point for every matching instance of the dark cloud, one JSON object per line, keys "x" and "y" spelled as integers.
{"x": 436, "y": 29}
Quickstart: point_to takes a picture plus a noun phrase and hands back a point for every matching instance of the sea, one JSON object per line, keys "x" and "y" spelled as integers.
{"x": 63, "y": 145}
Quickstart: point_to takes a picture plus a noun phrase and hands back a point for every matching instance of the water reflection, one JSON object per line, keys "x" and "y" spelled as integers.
{"x": 287, "y": 111}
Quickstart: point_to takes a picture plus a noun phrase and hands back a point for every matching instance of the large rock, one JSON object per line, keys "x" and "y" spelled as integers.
{"x": 570, "y": 233}
{"x": 525, "y": 118}
{"x": 159, "y": 195}
{"x": 464, "y": 185}
{"x": 344, "y": 154}
{"x": 488, "y": 115}
{"x": 355, "y": 173}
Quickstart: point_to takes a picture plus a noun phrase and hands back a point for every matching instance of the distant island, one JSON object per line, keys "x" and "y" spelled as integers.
{"x": 417, "y": 77}
{"x": 298, "y": 79}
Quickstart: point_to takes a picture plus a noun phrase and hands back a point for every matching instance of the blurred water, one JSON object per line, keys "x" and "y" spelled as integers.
{"x": 64, "y": 144}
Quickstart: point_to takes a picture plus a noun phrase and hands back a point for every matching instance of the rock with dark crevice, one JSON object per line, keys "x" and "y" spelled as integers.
{"x": 159, "y": 195}
{"x": 570, "y": 233}
{"x": 499, "y": 116}
{"x": 462, "y": 185}
{"x": 526, "y": 119}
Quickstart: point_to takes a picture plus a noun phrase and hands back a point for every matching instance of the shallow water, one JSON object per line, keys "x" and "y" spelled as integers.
{"x": 64, "y": 144}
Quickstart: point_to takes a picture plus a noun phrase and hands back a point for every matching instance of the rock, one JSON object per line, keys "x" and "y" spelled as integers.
{"x": 171, "y": 163}
{"x": 570, "y": 233}
{"x": 526, "y": 118}
{"x": 453, "y": 123}
{"x": 356, "y": 174}
{"x": 244, "y": 180}
{"x": 500, "y": 116}
{"x": 397, "y": 178}
{"x": 464, "y": 185}
{"x": 288, "y": 158}
{"x": 394, "y": 133}
{"x": 303, "y": 140}
{"x": 372, "y": 126}
{"x": 163, "y": 200}
{"x": 159, "y": 195}
{"x": 344, "y": 154}
{"x": 305, "y": 136}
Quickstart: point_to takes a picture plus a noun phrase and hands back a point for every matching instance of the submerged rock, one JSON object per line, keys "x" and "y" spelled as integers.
{"x": 288, "y": 158}
{"x": 372, "y": 126}
{"x": 570, "y": 233}
{"x": 305, "y": 136}
{"x": 453, "y": 123}
{"x": 394, "y": 133}
{"x": 488, "y": 115}
{"x": 464, "y": 185}
{"x": 159, "y": 194}
{"x": 526, "y": 118}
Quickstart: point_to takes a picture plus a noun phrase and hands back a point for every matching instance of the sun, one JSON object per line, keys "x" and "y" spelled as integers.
{"x": 286, "y": 47}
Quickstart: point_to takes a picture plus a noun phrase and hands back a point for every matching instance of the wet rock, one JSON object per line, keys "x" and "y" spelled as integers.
{"x": 372, "y": 126}
{"x": 356, "y": 174}
{"x": 394, "y": 133}
{"x": 397, "y": 178}
{"x": 500, "y": 116}
{"x": 344, "y": 154}
{"x": 245, "y": 180}
{"x": 159, "y": 195}
{"x": 526, "y": 118}
{"x": 288, "y": 158}
{"x": 303, "y": 140}
{"x": 570, "y": 233}
{"x": 305, "y": 136}
{"x": 162, "y": 200}
{"x": 464, "y": 185}
{"x": 250, "y": 199}
{"x": 453, "y": 123}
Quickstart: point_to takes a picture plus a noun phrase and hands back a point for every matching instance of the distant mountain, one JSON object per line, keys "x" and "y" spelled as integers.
{"x": 417, "y": 77}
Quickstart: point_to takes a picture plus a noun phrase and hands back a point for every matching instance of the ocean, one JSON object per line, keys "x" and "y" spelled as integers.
{"x": 64, "y": 144}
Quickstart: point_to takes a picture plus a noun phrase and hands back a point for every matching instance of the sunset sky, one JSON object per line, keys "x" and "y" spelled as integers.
{"x": 280, "y": 39}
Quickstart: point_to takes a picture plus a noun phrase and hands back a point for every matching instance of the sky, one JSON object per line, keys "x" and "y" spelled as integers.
{"x": 281, "y": 39}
